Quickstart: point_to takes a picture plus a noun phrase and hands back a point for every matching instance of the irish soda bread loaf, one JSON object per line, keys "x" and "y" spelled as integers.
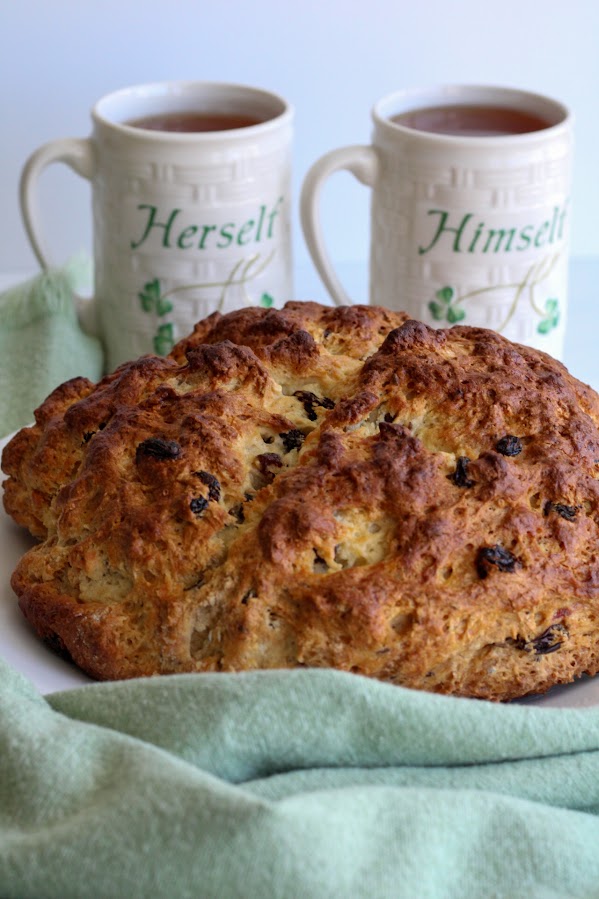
{"x": 319, "y": 487}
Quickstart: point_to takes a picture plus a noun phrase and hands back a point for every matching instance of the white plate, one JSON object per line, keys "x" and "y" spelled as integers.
{"x": 24, "y": 651}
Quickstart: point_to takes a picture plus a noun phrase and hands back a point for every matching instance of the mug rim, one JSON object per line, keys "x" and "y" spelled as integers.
{"x": 466, "y": 94}
{"x": 169, "y": 89}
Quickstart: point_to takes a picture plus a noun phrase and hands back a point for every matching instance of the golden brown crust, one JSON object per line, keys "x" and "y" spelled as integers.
{"x": 323, "y": 487}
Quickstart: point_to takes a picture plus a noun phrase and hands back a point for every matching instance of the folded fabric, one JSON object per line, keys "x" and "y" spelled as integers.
{"x": 300, "y": 785}
{"x": 41, "y": 345}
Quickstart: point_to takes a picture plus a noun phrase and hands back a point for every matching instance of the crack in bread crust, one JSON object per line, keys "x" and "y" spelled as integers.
{"x": 318, "y": 486}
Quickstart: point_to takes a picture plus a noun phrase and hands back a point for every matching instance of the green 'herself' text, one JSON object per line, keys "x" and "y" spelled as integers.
{"x": 168, "y": 229}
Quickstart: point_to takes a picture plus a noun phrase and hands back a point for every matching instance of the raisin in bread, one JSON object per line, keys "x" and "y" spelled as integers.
{"x": 318, "y": 487}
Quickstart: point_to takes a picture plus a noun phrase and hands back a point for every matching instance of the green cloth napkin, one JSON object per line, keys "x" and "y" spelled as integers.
{"x": 41, "y": 344}
{"x": 300, "y": 785}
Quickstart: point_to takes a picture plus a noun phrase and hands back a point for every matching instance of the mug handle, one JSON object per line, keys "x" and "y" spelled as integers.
{"x": 78, "y": 153}
{"x": 75, "y": 152}
{"x": 362, "y": 162}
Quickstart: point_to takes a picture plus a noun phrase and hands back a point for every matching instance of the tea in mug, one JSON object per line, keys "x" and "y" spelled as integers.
{"x": 194, "y": 122}
{"x": 465, "y": 120}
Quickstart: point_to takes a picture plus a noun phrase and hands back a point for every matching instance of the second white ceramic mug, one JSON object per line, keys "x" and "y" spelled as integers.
{"x": 464, "y": 229}
{"x": 185, "y": 223}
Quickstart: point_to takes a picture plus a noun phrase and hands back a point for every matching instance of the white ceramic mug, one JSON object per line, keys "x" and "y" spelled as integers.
{"x": 464, "y": 228}
{"x": 185, "y": 223}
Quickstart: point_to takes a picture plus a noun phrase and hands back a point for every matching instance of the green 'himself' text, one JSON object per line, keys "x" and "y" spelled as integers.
{"x": 466, "y": 233}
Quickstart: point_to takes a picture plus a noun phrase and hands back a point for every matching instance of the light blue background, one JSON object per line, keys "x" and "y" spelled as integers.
{"x": 332, "y": 60}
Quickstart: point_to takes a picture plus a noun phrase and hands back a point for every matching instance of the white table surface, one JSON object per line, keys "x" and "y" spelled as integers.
{"x": 581, "y": 352}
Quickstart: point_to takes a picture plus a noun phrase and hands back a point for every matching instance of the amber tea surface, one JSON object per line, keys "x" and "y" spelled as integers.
{"x": 471, "y": 120}
{"x": 195, "y": 122}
